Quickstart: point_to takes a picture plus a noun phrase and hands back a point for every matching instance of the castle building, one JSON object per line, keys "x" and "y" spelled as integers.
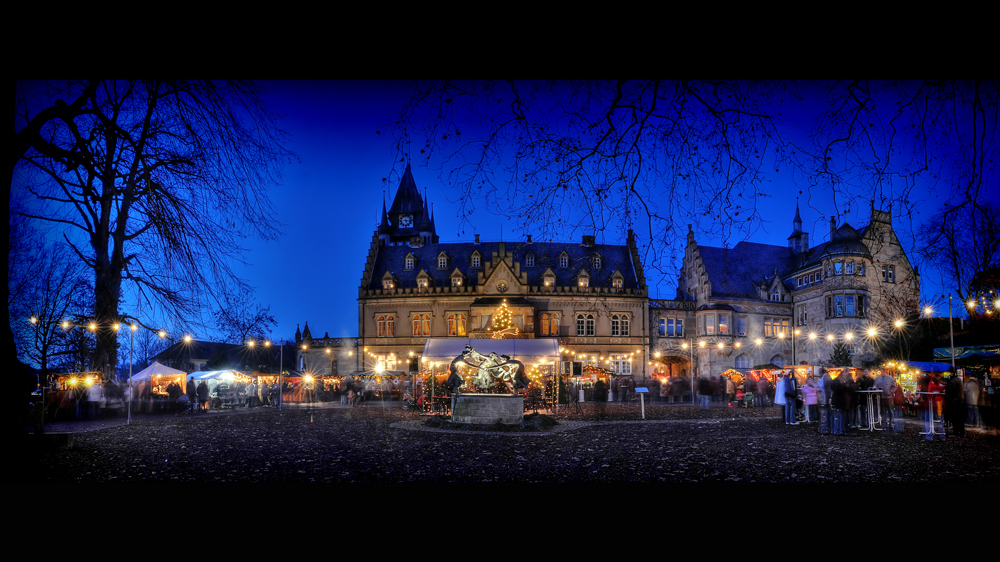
{"x": 579, "y": 301}
{"x": 756, "y": 304}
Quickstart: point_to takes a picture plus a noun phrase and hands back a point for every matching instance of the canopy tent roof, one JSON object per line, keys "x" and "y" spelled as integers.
{"x": 968, "y": 352}
{"x": 156, "y": 368}
{"x": 394, "y": 374}
{"x": 206, "y": 375}
{"x": 929, "y": 367}
{"x": 523, "y": 350}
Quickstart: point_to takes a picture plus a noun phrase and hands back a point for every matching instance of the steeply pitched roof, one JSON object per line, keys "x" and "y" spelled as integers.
{"x": 736, "y": 272}
{"x": 407, "y": 200}
{"x": 613, "y": 258}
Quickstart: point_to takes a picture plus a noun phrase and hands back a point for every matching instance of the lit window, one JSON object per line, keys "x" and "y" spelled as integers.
{"x": 386, "y": 326}
{"x": 621, "y": 364}
{"x": 616, "y": 284}
{"x": 550, "y": 324}
{"x": 387, "y": 284}
{"x": 456, "y": 281}
{"x": 584, "y": 282}
{"x": 723, "y": 324}
{"x": 422, "y": 282}
{"x": 710, "y": 325}
{"x": 422, "y": 325}
{"x": 456, "y": 324}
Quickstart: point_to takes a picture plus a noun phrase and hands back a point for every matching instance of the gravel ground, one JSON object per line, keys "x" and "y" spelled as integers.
{"x": 372, "y": 444}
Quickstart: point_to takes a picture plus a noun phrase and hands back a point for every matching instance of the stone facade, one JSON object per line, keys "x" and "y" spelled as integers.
{"x": 591, "y": 297}
{"x": 743, "y": 306}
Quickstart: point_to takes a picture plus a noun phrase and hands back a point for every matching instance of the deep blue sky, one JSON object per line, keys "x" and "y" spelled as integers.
{"x": 330, "y": 201}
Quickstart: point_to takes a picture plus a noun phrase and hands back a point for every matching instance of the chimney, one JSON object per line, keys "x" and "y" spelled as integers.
{"x": 477, "y": 239}
{"x": 529, "y": 239}
{"x": 833, "y": 226}
{"x": 588, "y": 240}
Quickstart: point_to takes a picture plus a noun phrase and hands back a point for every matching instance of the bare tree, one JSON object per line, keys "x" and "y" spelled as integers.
{"x": 557, "y": 156}
{"x": 53, "y": 294}
{"x": 656, "y": 155}
{"x": 240, "y": 319}
{"x": 154, "y": 182}
{"x": 963, "y": 243}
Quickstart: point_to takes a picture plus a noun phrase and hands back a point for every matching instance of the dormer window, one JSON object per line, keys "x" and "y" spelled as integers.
{"x": 617, "y": 281}
{"x": 442, "y": 261}
{"x": 529, "y": 260}
{"x": 564, "y": 260}
{"x": 597, "y": 262}
{"x": 549, "y": 278}
{"x": 410, "y": 262}
{"x": 584, "y": 282}
{"x": 388, "y": 281}
{"x": 476, "y": 260}
{"x": 422, "y": 282}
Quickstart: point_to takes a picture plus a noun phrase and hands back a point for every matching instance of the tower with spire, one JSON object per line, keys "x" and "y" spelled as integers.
{"x": 407, "y": 222}
{"x": 798, "y": 241}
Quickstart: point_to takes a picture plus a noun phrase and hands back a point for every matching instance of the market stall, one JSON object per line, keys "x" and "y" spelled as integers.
{"x": 223, "y": 386}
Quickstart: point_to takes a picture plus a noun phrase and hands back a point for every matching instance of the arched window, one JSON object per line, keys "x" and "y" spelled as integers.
{"x": 456, "y": 324}
{"x": 549, "y": 324}
{"x": 619, "y": 325}
{"x": 743, "y": 361}
{"x": 386, "y": 326}
{"x": 584, "y": 324}
{"x": 422, "y": 325}
{"x": 778, "y": 360}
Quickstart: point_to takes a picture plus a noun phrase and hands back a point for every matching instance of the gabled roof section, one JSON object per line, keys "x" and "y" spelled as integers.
{"x": 736, "y": 272}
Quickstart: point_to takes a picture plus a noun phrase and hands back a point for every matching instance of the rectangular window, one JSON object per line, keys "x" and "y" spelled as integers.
{"x": 784, "y": 328}
{"x": 769, "y": 328}
{"x": 678, "y": 328}
{"x": 710, "y": 325}
{"x": 861, "y": 269}
{"x": 663, "y": 327}
{"x": 723, "y": 324}
{"x": 838, "y": 268}
{"x": 849, "y": 268}
{"x": 741, "y": 325}
{"x": 838, "y": 305}
{"x": 475, "y": 260}
{"x": 829, "y": 307}
{"x": 621, "y": 364}
{"x": 861, "y": 306}
{"x": 850, "y": 305}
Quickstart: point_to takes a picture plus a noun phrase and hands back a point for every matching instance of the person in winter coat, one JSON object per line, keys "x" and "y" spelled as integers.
{"x": 810, "y": 397}
{"x": 791, "y": 395}
{"x": 779, "y": 396}
{"x": 202, "y": 396}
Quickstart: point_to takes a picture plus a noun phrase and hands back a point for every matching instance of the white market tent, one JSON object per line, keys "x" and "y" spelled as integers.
{"x": 156, "y": 368}
{"x": 527, "y": 351}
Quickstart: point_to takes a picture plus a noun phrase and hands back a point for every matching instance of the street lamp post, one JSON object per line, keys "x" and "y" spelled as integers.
{"x": 132, "y": 330}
